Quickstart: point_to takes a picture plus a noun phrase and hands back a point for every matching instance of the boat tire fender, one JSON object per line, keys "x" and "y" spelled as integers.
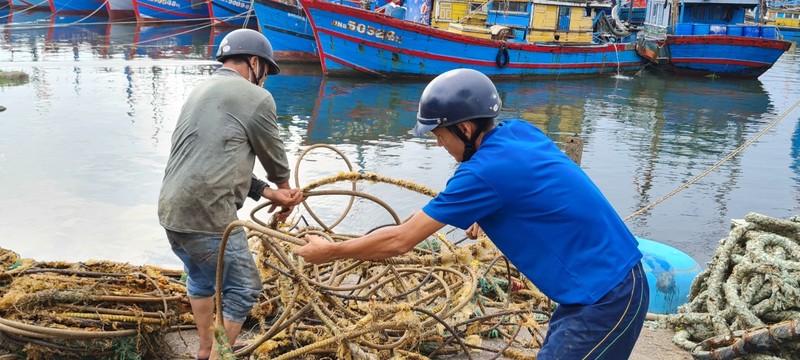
{"x": 502, "y": 58}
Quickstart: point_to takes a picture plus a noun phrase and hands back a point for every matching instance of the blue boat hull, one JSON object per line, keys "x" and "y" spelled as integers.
{"x": 288, "y": 31}
{"x": 231, "y": 12}
{"x": 353, "y": 41}
{"x": 170, "y": 10}
{"x": 670, "y": 273}
{"x": 722, "y": 55}
{"x": 789, "y": 33}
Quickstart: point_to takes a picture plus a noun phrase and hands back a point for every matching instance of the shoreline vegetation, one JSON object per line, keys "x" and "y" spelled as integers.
{"x": 11, "y": 78}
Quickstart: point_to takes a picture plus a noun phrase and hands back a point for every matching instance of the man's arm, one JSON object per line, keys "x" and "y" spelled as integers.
{"x": 378, "y": 245}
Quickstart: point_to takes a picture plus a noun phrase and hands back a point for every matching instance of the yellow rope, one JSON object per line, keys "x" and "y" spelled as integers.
{"x": 117, "y": 318}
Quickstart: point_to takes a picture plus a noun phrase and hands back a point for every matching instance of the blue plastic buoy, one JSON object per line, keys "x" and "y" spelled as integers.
{"x": 670, "y": 273}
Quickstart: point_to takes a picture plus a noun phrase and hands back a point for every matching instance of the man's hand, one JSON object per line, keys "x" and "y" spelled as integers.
{"x": 474, "y": 231}
{"x": 316, "y": 251}
{"x": 285, "y": 198}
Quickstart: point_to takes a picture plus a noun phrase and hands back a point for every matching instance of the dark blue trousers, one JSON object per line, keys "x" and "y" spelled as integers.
{"x": 607, "y": 329}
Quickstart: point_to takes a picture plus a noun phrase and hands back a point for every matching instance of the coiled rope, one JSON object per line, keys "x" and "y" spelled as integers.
{"x": 746, "y": 303}
{"x": 64, "y": 310}
{"x": 438, "y": 299}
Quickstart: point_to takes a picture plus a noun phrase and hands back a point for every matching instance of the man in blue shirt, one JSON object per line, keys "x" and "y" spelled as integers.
{"x": 537, "y": 206}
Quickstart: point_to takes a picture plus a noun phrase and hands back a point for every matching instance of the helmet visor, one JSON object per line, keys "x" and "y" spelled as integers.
{"x": 423, "y": 126}
{"x": 273, "y": 67}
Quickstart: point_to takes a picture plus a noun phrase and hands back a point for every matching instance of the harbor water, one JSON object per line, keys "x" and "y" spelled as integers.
{"x": 84, "y": 143}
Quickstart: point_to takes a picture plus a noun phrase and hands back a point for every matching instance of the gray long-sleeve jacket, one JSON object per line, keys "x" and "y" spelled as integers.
{"x": 225, "y": 123}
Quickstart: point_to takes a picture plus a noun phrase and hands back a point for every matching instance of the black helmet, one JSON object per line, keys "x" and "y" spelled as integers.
{"x": 455, "y": 96}
{"x": 247, "y": 42}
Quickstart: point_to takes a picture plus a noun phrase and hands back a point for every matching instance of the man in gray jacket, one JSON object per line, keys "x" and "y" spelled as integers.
{"x": 225, "y": 124}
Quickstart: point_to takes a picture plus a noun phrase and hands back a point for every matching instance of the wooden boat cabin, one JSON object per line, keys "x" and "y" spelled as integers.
{"x": 542, "y": 21}
{"x": 446, "y": 12}
{"x": 785, "y": 17}
{"x": 787, "y": 20}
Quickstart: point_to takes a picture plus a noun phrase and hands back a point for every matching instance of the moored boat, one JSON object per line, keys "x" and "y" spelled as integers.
{"x": 705, "y": 37}
{"x": 353, "y": 41}
{"x": 236, "y": 13}
{"x": 287, "y": 28}
{"x": 170, "y": 10}
{"x": 786, "y": 18}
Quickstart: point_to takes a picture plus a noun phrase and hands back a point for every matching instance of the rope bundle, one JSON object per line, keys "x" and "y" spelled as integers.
{"x": 86, "y": 310}
{"x": 746, "y": 303}
{"x": 440, "y": 298}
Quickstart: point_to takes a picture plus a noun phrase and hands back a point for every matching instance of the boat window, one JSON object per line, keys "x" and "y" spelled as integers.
{"x": 509, "y": 6}
{"x": 563, "y": 17}
{"x": 445, "y": 10}
{"x": 477, "y": 8}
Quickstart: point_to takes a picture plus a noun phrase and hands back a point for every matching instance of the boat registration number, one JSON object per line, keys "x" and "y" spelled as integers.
{"x": 368, "y": 30}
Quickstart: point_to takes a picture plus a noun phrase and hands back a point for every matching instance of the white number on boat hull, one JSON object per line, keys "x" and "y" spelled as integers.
{"x": 369, "y": 30}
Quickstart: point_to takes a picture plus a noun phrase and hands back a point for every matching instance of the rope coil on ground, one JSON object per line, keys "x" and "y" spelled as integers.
{"x": 746, "y": 303}
{"x": 438, "y": 299}
{"x": 86, "y": 310}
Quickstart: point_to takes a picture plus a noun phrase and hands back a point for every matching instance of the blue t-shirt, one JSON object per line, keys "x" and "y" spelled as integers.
{"x": 542, "y": 211}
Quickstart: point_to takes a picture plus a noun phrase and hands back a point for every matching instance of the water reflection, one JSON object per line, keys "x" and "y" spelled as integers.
{"x": 42, "y": 36}
{"x": 174, "y": 42}
{"x": 103, "y": 98}
{"x": 690, "y": 126}
{"x": 39, "y": 35}
{"x": 352, "y": 111}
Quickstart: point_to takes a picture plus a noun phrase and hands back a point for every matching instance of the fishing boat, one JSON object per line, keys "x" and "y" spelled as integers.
{"x": 93, "y": 7}
{"x": 236, "y": 13}
{"x": 170, "y": 10}
{"x": 287, "y": 28}
{"x": 284, "y": 23}
{"x": 516, "y": 43}
{"x": 708, "y": 37}
{"x": 785, "y": 17}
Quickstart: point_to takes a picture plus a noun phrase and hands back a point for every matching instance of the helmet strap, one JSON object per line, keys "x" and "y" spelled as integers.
{"x": 261, "y": 71}
{"x": 469, "y": 144}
